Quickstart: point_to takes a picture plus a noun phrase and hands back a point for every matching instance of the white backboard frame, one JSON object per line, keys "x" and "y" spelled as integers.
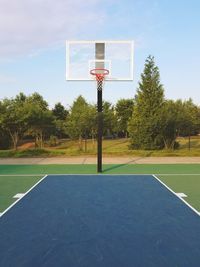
{"x": 129, "y": 77}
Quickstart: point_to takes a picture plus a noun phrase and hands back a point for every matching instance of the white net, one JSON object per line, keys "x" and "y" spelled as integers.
{"x": 100, "y": 75}
{"x": 100, "y": 84}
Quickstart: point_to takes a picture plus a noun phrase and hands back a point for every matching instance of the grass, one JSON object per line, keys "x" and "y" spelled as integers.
{"x": 30, "y": 153}
{"x": 115, "y": 147}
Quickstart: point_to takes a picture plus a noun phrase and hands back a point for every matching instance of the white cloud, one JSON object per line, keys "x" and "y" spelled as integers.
{"x": 29, "y": 26}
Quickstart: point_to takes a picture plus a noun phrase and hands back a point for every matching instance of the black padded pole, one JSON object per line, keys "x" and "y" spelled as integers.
{"x": 100, "y": 128}
{"x": 99, "y": 54}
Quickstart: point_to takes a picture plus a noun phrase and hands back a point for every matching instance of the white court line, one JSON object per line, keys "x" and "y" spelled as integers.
{"x": 186, "y": 203}
{"x": 118, "y": 174}
{"x": 179, "y": 174}
{"x": 102, "y": 174}
{"x": 80, "y": 174}
{"x": 13, "y": 204}
{"x": 19, "y": 175}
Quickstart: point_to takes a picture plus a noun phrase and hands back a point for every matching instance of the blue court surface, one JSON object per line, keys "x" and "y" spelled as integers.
{"x": 100, "y": 221}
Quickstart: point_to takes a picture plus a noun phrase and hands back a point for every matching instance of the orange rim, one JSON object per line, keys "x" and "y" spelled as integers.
{"x": 99, "y": 76}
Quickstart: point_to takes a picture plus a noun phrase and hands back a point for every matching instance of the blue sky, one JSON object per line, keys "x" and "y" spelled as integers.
{"x": 33, "y": 34}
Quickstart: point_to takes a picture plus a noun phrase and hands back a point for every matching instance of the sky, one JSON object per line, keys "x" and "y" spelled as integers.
{"x": 33, "y": 54}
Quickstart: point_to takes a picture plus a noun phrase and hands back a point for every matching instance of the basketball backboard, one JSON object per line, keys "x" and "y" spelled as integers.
{"x": 115, "y": 56}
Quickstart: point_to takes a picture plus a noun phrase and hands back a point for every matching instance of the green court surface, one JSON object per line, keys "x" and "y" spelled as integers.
{"x": 187, "y": 184}
{"x": 11, "y": 185}
{"x": 181, "y": 178}
{"x": 107, "y": 169}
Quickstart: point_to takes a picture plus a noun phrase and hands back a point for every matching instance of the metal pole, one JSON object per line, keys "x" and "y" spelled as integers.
{"x": 99, "y": 55}
{"x": 100, "y": 126}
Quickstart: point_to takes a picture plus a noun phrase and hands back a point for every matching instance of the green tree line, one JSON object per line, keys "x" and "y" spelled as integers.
{"x": 149, "y": 119}
{"x": 156, "y": 122}
{"x": 30, "y": 117}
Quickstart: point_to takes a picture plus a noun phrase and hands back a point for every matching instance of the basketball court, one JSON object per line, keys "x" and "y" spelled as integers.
{"x": 100, "y": 220}
{"x": 72, "y": 216}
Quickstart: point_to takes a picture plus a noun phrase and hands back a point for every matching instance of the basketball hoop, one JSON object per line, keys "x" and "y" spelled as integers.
{"x": 100, "y": 75}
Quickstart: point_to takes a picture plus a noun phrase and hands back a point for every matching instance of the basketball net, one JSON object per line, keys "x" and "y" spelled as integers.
{"x": 100, "y": 81}
{"x": 99, "y": 75}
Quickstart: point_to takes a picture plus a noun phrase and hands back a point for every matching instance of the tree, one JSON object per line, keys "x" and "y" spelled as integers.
{"x": 14, "y": 118}
{"x": 59, "y": 111}
{"x": 109, "y": 119}
{"x": 21, "y": 97}
{"x": 40, "y": 118}
{"x": 4, "y": 137}
{"x": 124, "y": 110}
{"x": 145, "y": 124}
{"x": 191, "y": 119}
{"x": 172, "y": 119}
{"x": 37, "y": 99}
{"x": 41, "y": 123}
{"x": 179, "y": 118}
{"x": 81, "y": 120}
{"x": 60, "y": 114}
{"x": 91, "y": 124}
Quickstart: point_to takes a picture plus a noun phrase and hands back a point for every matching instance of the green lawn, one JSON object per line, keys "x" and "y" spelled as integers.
{"x": 115, "y": 147}
{"x": 184, "y": 178}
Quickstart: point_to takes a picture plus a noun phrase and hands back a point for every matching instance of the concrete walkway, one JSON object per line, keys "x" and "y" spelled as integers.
{"x": 106, "y": 160}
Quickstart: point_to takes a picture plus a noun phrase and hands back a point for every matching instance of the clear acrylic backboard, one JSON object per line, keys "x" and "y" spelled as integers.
{"x": 115, "y": 56}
